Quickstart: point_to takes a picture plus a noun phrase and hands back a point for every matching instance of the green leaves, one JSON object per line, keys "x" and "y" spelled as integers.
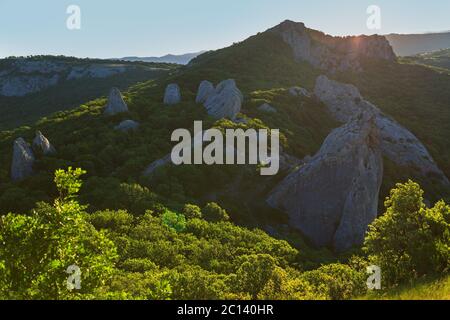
{"x": 409, "y": 240}
{"x": 68, "y": 183}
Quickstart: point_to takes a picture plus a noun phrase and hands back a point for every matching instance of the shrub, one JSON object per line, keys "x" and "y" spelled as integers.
{"x": 409, "y": 240}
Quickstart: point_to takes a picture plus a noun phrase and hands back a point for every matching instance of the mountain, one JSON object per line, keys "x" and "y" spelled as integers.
{"x": 437, "y": 59}
{"x": 354, "y": 121}
{"x": 169, "y": 58}
{"x": 34, "y": 87}
{"x": 412, "y": 44}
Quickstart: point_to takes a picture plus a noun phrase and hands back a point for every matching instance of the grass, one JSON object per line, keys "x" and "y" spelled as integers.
{"x": 421, "y": 290}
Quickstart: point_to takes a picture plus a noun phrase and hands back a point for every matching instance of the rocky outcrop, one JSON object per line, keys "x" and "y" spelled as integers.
{"x": 397, "y": 143}
{"x": 95, "y": 71}
{"x": 157, "y": 164}
{"x": 329, "y": 53}
{"x": 21, "y": 85}
{"x": 23, "y": 76}
{"x": 22, "y": 160}
{"x": 299, "y": 92}
{"x": 41, "y": 145}
{"x": 226, "y": 102}
{"x": 265, "y": 107}
{"x": 205, "y": 90}
{"x": 116, "y": 104}
{"x": 333, "y": 197}
{"x": 127, "y": 125}
{"x": 172, "y": 95}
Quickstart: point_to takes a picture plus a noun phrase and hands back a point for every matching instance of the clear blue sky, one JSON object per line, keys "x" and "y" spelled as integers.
{"x": 113, "y": 28}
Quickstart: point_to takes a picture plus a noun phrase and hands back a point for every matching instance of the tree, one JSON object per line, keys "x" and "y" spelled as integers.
{"x": 409, "y": 240}
{"x": 174, "y": 220}
{"x": 192, "y": 211}
{"x": 254, "y": 273}
{"x": 38, "y": 251}
{"x": 214, "y": 213}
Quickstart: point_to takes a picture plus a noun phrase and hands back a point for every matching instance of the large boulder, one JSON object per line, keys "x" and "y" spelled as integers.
{"x": 397, "y": 143}
{"x": 265, "y": 107}
{"x": 205, "y": 90}
{"x": 127, "y": 125}
{"x": 333, "y": 197}
{"x": 298, "y": 92}
{"x": 116, "y": 104}
{"x": 226, "y": 102}
{"x": 172, "y": 94}
{"x": 22, "y": 160}
{"x": 41, "y": 145}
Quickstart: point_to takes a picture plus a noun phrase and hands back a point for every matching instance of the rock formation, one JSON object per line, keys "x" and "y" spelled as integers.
{"x": 127, "y": 125}
{"x": 157, "y": 164}
{"x": 298, "y": 92}
{"x": 116, "y": 104}
{"x": 172, "y": 95}
{"x": 333, "y": 197}
{"x": 397, "y": 143}
{"x": 205, "y": 90}
{"x": 226, "y": 102}
{"x": 265, "y": 107}
{"x": 41, "y": 145}
{"x": 22, "y": 160}
{"x": 329, "y": 53}
{"x": 23, "y": 76}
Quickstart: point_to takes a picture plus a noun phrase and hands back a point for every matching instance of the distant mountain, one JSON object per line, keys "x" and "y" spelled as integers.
{"x": 412, "y": 44}
{"x": 439, "y": 59}
{"x": 34, "y": 87}
{"x": 169, "y": 58}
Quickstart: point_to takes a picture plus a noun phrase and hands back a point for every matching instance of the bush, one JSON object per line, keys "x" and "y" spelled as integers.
{"x": 191, "y": 211}
{"x": 214, "y": 213}
{"x": 174, "y": 221}
{"x": 409, "y": 240}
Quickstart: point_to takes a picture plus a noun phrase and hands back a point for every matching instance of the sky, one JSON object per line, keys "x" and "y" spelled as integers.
{"x": 117, "y": 28}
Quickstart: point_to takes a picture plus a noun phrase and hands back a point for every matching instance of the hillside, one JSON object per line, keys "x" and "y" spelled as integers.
{"x": 34, "y": 87}
{"x": 438, "y": 59}
{"x": 169, "y": 58}
{"x": 422, "y": 290}
{"x": 412, "y": 44}
{"x": 211, "y": 232}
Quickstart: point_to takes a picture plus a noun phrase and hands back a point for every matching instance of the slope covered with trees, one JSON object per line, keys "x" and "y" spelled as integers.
{"x": 205, "y": 232}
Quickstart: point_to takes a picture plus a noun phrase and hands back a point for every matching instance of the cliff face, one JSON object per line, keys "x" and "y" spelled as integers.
{"x": 397, "y": 143}
{"x": 19, "y": 77}
{"x": 334, "y": 196}
{"x": 332, "y": 54}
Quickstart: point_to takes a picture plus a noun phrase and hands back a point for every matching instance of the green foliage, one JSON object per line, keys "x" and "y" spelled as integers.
{"x": 214, "y": 213}
{"x": 254, "y": 273}
{"x": 174, "y": 220}
{"x": 191, "y": 211}
{"x": 410, "y": 240}
{"x": 36, "y": 250}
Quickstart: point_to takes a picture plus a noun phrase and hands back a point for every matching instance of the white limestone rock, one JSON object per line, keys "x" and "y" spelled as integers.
{"x": 333, "y": 197}
{"x": 172, "y": 95}
{"x": 41, "y": 145}
{"x": 397, "y": 142}
{"x": 226, "y": 102}
{"x": 127, "y": 125}
{"x": 205, "y": 90}
{"x": 267, "y": 108}
{"x": 22, "y": 161}
{"x": 116, "y": 104}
